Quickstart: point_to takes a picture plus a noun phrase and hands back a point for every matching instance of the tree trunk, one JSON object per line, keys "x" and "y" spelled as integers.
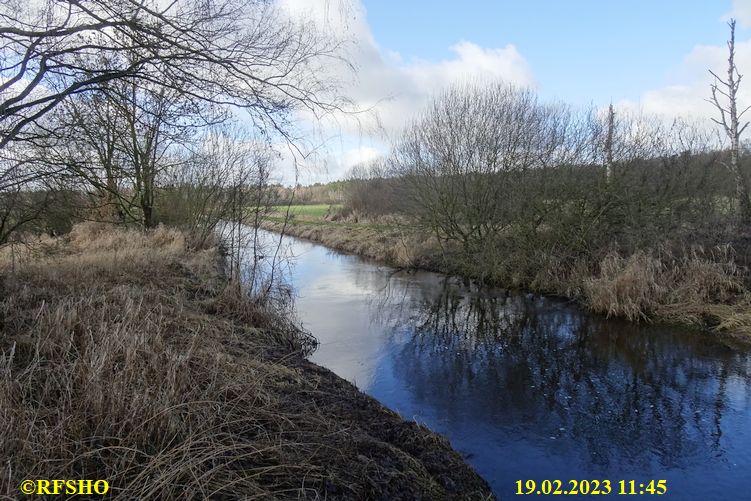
{"x": 729, "y": 120}
{"x": 609, "y": 144}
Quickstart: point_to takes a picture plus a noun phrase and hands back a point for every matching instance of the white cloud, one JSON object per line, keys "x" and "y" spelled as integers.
{"x": 360, "y": 154}
{"x": 687, "y": 90}
{"x": 741, "y": 11}
{"x": 472, "y": 60}
{"x": 410, "y": 85}
{"x": 326, "y": 164}
{"x": 391, "y": 87}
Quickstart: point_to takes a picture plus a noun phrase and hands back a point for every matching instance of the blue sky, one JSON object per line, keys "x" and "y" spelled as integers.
{"x": 643, "y": 56}
{"x": 580, "y": 51}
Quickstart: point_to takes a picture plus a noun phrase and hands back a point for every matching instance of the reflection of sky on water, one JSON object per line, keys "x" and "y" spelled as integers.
{"x": 336, "y": 307}
{"x": 533, "y": 388}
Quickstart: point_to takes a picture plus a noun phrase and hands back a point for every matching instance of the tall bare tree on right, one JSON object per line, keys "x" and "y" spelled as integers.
{"x": 730, "y": 121}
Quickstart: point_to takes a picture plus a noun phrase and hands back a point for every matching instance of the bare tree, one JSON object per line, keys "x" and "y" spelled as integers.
{"x": 81, "y": 141}
{"x": 238, "y": 52}
{"x": 104, "y": 87}
{"x": 14, "y": 207}
{"x": 158, "y": 120}
{"x": 196, "y": 193}
{"x": 478, "y": 158}
{"x": 24, "y": 192}
{"x": 725, "y": 99}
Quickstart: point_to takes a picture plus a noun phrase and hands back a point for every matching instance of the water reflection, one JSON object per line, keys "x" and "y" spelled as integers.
{"x": 528, "y": 387}
{"x": 610, "y": 398}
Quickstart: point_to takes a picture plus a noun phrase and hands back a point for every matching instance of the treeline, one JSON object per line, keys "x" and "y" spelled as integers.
{"x": 520, "y": 192}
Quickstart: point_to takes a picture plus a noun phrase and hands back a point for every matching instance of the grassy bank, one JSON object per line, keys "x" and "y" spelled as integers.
{"x": 704, "y": 289}
{"x": 124, "y": 356}
{"x": 393, "y": 244}
{"x": 387, "y": 240}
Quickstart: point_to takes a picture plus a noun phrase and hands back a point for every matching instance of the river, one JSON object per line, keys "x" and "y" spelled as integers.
{"x": 527, "y": 387}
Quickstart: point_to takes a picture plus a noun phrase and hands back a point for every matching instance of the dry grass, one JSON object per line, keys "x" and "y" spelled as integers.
{"x": 392, "y": 244}
{"x": 697, "y": 287}
{"x": 123, "y": 357}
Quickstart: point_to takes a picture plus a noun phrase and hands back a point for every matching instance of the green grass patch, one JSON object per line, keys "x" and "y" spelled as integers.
{"x": 312, "y": 211}
{"x": 279, "y": 218}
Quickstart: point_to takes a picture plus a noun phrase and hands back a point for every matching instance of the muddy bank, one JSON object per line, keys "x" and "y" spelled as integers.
{"x": 124, "y": 357}
{"x": 382, "y": 456}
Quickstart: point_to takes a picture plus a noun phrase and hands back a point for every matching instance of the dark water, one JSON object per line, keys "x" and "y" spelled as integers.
{"x": 532, "y": 388}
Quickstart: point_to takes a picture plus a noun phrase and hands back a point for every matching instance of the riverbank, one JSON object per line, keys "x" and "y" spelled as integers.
{"x": 703, "y": 290}
{"x": 126, "y": 358}
{"x": 391, "y": 244}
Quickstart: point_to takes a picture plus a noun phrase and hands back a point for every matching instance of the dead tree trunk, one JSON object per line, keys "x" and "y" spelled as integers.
{"x": 729, "y": 120}
{"x": 609, "y": 144}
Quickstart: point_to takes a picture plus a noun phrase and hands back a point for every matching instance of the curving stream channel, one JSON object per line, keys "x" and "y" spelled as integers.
{"x": 533, "y": 388}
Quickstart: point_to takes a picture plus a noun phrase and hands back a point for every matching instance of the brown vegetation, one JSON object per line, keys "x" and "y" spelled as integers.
{"x": 626, "y": 213}
{"x": 698, "y": 288}
{"x": 124, "y": 357}
{"x": 393, "y": 244}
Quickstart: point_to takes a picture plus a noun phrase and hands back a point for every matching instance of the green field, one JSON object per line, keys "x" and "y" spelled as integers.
{"x": 314, "y": 215}
{"x": 317, "y": 211}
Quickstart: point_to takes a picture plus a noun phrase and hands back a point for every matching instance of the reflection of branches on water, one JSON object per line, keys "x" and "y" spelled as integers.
{"x": 437, "y": 301}
{"x": 265, "y": 263}
{"x": 470, "y": 319}
{"x": 628, "y": 395}
{"x": 389, "y": 300}
{"x": 449, "y": 311}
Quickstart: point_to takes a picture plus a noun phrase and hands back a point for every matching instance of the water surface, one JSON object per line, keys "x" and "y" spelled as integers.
{"x": 533, "y": 388}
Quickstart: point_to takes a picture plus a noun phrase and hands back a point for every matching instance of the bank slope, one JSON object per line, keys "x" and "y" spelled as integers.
{"x": 124, "y": 357}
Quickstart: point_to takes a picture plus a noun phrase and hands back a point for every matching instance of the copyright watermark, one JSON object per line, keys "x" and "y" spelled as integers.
{"x": 70, "y": 487}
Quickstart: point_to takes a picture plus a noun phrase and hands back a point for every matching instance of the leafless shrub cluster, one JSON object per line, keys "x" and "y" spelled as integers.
{"x": 371, "y": 190}
{"x": 491, "y": 171}
{"x": 610, "y": 207}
